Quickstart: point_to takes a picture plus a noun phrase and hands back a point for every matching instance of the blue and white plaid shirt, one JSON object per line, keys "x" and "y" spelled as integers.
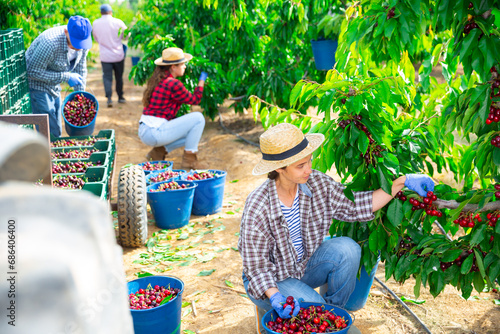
{"x": 265, "y": 243}
{"x": 47, "y": 62}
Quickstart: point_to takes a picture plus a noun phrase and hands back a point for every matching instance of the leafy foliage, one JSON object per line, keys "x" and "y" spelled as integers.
{"x": 380, "y": 123}
{"x": 255, "y": 47}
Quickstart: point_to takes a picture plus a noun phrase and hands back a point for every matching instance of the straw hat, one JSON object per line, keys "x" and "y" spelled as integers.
{"x": 171, "y": 56}
{"x": 284, "y": 144}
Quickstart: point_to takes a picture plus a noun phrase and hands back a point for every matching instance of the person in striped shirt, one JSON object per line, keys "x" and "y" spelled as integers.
{"x": 286, "y": 219}
{"x": 58, "y": 55}
{"x": 159, "y": 127}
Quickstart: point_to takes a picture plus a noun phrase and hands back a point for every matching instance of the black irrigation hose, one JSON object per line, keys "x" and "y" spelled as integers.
{"x": 404, "y": 305}
{"x": 235, "y": 134}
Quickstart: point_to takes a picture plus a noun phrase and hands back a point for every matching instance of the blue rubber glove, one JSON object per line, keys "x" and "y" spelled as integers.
{"x": 419, "y": 183}
{"x": 277, "y": 301}
{"x": 203, "y": 76}
{"x": 296, "y": 307}
{"x": 75, "y": 79}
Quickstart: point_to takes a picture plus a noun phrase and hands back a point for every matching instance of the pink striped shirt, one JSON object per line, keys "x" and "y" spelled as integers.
{"x": 108, "y": 32}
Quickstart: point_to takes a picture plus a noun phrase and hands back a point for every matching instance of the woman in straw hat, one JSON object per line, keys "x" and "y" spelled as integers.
{"x": 162, "y": 99}
{"x": 286, "y": 219}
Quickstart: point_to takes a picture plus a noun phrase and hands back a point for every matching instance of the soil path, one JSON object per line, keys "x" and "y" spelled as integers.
{"x": 207, "y": 243}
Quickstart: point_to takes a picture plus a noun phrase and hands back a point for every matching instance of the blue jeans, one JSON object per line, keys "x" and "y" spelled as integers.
{"x": 44, "y": 103}
{"x": 335, "y": 263}
{"x": 183, "y": 131}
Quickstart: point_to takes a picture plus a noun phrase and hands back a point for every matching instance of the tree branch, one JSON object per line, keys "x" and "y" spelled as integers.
{"x": 442, "y": 204}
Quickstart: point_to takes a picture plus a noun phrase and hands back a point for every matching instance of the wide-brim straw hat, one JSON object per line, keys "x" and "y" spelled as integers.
{"x": 284, "y": 144}
{"x": 172, "y": 56}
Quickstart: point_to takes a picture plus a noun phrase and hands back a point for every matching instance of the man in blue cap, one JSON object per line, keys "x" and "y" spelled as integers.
{"x": 108, "y": 32}
{"x": 57, "y": 55}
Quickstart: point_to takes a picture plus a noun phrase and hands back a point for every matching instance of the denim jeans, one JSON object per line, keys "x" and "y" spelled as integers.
{"x": 44, "y": 103}
{"x": 107, "y": 78}
{"x": 335, "y": 262}
{"x": 183, "y": 131}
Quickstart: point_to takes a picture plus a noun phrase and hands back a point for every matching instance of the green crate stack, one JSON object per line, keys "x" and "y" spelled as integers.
{"x": 14, "y": 89}
{"x": 106, "y": 145}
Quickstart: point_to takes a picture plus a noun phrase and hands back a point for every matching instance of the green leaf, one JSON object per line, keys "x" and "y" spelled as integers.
{"x": 418, "y": 283}
{"x": 244, "y": 295}
{"x": 206, "y": 272}
{"x": 496, "y": 156}
{"x": 234, "y": 181}
{"x": 478, "y": 235}
{"x": 478, "y": 282}
{"x": 385, "y": 183}
{"x": 229, "y": 284}
{"x": 479, "y": 262}
{"x": 414, "y": 301}
{"x": 187, "y": 331}
{"x": 295, "y": 93}
{"x": 166, "y": 300}
{"x": 466, "y": 265}
{"x": 395, "y": 212}
{"x": 143, "y": 274}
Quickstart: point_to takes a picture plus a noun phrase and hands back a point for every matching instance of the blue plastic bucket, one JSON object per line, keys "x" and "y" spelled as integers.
{"x": 74, "y": 130}
{"x": 359, "y": 296}
{"x": 272, "y": 315}
{"x": 324, "y": 53}
{"x": 171, "y": 208}
{"x": 156, "y": 173}
{"x": 209, "y": 194}
{"x": 147, "y": 172}
{"x": 135, "y": 60}
{"x": 162, "y": 319}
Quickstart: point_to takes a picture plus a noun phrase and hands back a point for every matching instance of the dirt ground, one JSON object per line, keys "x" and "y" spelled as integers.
{"x": 220, "y": 308}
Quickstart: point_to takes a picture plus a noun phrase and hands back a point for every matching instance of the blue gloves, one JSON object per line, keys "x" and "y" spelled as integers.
{"x": 203, "y": 76}
{"x": 75, "y": 79}
{"x": 419, "y": 183}
{"x": 278, "y": 300}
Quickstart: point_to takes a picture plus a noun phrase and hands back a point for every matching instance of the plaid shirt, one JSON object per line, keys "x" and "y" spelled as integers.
{"x": 47, "y": 62}
{"x": 168, "y": 97}
{"x": 265, "y": 244}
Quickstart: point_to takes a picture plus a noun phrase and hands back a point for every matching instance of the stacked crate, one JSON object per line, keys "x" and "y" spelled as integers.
{"x": 14, "y": 89}
{"x": 68, "y": 150}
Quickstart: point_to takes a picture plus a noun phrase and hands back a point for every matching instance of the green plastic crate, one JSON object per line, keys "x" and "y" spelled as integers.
{"x": 107, "y": 135}
{"x": 6, "y": 44}
{"x": 97, "y": 174}
{"x": 4, "y": 101}
{"x": 3, "y": 74}
{"x": 101, "y": 146}
{"x": 98, "y": 189}
{"x": 17, "y": 39}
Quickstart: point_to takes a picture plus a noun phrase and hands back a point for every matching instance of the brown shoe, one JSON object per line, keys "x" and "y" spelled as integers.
{"x": 157, "y": 153}
{"x": 190, "y": 161}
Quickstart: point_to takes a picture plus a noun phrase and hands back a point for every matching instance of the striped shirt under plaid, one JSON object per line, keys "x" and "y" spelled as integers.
{"x": 47, "y": 62}
{"x": 292, "y": 216}
{"x": 265, "y": 244}
{"x": 168, "y": 97}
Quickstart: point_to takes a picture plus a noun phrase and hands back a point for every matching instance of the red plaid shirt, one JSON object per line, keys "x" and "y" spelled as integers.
{"x": 168, "y": 96}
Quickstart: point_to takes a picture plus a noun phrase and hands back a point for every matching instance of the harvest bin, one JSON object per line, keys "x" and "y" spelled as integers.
{"x": 171, "y": 208}
{"x": 74, "y": 130}
{"x": 164, "y": 319}
{"x": 209, "y": 194}
{"x": 272, "y": 315}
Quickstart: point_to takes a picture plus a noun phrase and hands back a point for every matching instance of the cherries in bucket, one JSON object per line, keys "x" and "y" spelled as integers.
{"x": 312, "y": 319}
{"x": 151, "y": 297}
{"x": 80, "y": 110}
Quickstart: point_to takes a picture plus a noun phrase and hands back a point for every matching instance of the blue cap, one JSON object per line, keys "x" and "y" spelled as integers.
{"x": 80, "y": 32}
{"x": 106, "y": 8}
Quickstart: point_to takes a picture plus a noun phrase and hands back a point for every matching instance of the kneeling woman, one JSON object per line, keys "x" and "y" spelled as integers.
{"x": 286, "y": 219}
{"x": 162, "y": 99}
